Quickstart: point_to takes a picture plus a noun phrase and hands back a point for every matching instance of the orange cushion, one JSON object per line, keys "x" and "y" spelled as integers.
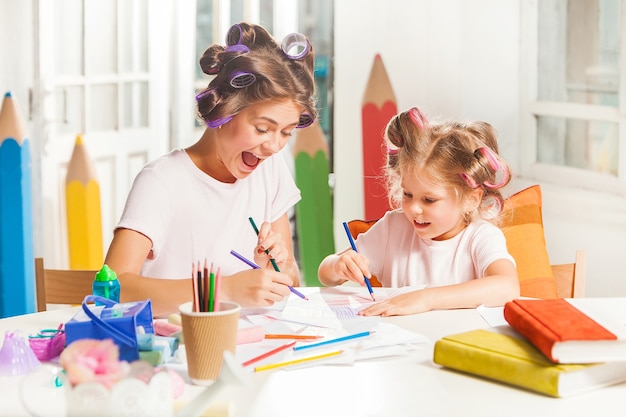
{"x": 356, "y": 228}
{"x": 522, "y": 224}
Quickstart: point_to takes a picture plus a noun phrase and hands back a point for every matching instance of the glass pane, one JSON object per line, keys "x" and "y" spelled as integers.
{"x": 102, "y": 108}
{"x": 69, "y": 58}
{"x": 236, "y": 11}
{"x": 100, "y": 37}
{"x": 133, "y": 32}
{"x": 579, "y": 44}
{"x": 68, "y": 107}
{"x": 134, "y": 111}
{"x": 204, "y": 31}
{"x": 266, "y": 14}
{"x": 589, "y": 145}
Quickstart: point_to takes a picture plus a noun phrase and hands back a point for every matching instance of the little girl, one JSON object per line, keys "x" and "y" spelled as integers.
{"x": 445, "y": 179}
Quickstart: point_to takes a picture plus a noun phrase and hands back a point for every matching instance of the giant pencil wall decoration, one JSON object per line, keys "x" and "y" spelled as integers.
{"x": 378, "y": 107}
{"x": 17, "y": 279}
{"x": 314, "y": 213}
{"x": 84, "y": 218}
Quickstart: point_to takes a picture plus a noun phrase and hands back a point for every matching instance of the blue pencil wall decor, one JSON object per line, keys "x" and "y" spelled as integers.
{"x": 17, "y": 280}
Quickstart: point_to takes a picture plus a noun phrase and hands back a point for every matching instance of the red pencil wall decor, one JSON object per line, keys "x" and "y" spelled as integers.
{"x": 17, "y": 279}
{"x": 378, "y": 107}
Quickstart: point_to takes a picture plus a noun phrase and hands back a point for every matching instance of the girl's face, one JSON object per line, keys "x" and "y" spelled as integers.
{"x": 258, "y": 132}
{"x": 435, "y": 211}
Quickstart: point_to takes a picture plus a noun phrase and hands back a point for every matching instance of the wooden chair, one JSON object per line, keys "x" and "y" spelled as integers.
{"x": 61, "y": 286}
{"x": 569, "y": 278}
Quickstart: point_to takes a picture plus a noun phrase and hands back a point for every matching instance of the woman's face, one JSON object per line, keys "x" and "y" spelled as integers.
{"x": 258, "y": 132}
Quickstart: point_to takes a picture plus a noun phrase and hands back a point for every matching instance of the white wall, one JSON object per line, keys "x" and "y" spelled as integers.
{"x": 460, "y": 59}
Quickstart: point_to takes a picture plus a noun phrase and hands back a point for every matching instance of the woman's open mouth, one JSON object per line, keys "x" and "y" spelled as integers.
{"x": 250, "y": 159}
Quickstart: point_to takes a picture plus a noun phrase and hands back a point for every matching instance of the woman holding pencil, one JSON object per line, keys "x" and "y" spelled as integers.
{"x": 195, "y": 203}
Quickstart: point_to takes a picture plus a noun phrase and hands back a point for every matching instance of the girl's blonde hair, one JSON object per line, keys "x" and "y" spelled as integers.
{"x": 461, "y": 156}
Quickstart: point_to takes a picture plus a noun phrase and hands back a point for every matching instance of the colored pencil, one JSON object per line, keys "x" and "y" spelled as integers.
{"x": 244, "y": 259}
{"x": 314, "y": 212}
{"x": 83, "y": 211}
{"x": 378, "y": 107}
{"x": 296, "y": 361}
{"x": 211, "y": 289}
{"x": 268, "y": 354}
{"x": 216, "y": 296}
{"x": 17, "y": 269}
{"x": 194, "y": 285}
{"x": 353, "y": 245}
{"x": 293, "y": 336}
{"x": 330, "y": 341}
{"x": 292, "y": 289}
{"x": 200, "y": 285}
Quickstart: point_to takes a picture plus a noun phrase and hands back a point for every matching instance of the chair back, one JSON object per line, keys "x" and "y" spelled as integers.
{"x": 61, "y": 286}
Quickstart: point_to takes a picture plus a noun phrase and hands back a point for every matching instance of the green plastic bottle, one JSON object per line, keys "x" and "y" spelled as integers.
{"x": 106, "y": 284}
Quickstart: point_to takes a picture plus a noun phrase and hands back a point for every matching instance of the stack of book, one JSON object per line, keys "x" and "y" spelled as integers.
{"x": 557, "y": 347}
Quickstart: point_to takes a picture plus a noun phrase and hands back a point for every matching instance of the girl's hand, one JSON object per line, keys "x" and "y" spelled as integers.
{"x": 410, "y": 303}
{"x": 273, "y": 243}
{"x": 352, "y": 266}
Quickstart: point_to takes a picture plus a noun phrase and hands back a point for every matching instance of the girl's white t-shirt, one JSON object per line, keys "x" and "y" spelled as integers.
{"x": 189, "y": 216}
{"x": 399, "y": 257}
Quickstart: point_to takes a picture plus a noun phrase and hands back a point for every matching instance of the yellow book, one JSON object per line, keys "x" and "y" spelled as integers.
{"x": 515, "y": 361}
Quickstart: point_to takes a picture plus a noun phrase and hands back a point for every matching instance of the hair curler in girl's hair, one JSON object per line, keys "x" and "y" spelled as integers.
{"x": 494, "y": 164}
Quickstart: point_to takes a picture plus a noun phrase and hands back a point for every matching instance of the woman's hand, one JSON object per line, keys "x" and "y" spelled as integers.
{"x": 256, "y": 287}
{"x": 276, "y": 248}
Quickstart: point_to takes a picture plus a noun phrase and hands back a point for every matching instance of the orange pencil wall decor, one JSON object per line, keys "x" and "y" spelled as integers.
{"x": 378, "y": 107}
{"x": 17, "y": 268}
{"x": 84, "y": 218}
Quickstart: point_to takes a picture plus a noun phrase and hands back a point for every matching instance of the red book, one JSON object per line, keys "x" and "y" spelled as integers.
{"x": 572, "y": 330}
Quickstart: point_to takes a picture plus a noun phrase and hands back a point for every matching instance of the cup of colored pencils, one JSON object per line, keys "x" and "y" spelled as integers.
{"x": 207, "y": 335}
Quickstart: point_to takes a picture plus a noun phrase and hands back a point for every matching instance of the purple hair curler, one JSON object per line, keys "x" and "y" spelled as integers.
{"x": 241, "y": 79}
{"x": 214, "y": 124}
{"x": 305, "y": 120}
{"x": 295, "y": 46}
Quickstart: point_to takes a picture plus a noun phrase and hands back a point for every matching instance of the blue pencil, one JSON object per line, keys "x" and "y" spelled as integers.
{"x": 17, "y": 269}
{"x": 255, "y": 266}
{"x": 337, "y": 340}
{"x": 367, "y": 281}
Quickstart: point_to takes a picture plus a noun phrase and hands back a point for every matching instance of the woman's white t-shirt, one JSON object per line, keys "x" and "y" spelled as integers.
{"x": 189, "y": 216}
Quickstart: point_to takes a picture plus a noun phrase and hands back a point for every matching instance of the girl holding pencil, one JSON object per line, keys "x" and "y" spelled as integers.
{"x": 195, "y": 203}
{"x": 445, "y": 180}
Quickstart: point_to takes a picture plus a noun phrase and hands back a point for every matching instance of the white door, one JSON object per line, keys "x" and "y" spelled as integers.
{"x": 101, "y": 71}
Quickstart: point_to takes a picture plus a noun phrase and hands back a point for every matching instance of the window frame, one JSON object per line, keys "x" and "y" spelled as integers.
{"x": 531, "y": 107}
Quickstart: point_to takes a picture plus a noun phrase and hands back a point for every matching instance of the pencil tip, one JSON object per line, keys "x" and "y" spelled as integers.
{"x": 373, "y": 299}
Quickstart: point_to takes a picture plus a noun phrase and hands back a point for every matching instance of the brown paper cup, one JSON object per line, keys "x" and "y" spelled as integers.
{"x": 207, "y": 335}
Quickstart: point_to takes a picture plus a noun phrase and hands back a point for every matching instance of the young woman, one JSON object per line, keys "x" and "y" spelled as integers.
{"x": 194, "y": 204}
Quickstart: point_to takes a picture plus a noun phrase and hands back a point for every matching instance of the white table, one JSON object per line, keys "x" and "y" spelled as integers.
{"x": 399, "y": 386}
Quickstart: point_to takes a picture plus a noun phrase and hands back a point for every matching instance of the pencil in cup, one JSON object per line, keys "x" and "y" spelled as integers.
{"x": 353, "y": 245}
{"x": 255, "y": 266}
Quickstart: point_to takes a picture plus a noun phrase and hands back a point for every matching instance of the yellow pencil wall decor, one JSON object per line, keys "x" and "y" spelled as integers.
{"x": 84, "y": 218}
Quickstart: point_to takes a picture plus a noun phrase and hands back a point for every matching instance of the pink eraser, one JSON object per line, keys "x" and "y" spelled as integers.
{"x": 163, "y": 328}
{"x": 250, "y": 334}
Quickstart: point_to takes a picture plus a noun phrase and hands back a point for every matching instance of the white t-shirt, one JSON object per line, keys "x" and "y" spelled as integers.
{"x": 399, "y": 257}
{"x": 189, "y": 216}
